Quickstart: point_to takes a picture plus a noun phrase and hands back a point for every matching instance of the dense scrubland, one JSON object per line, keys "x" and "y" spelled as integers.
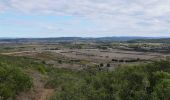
{"x": 149, "y": 81}
{"x": 137, "y": 82}
{"x": 14, "y": 77}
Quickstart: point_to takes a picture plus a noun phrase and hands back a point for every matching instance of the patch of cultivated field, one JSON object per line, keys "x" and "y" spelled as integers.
{"x": 108, "y": 54}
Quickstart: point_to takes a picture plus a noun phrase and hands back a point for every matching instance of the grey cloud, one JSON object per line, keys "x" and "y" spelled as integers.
{"x": 92, "y": 8}
{"x": 137, "y": 15}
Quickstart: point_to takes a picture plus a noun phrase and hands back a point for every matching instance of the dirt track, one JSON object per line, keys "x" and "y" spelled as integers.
{"x": 46, "y": 93}
{"x": 39, "y": 92}
{"x": 19, "y": 52}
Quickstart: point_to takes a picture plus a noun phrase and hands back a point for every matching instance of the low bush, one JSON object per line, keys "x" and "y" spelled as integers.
{"x": 137, "y": 82}
{"x": 12, "y": 81}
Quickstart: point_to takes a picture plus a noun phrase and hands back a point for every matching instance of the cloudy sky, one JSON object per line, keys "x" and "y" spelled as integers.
{"x": 84, "y": 18}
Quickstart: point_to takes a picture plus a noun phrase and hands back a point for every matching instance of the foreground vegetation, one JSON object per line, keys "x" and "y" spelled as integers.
{"x": 137, "y": 82}
{"x": 12, "y": 81}
{"x": 131, "y": 82}
{"x": 13, "y": 76}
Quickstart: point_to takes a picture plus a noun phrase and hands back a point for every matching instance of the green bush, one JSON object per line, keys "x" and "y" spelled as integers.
{"x": 12, "y": 81}
{"x": 137, "y": 82}
{"x": 41, "y": 69}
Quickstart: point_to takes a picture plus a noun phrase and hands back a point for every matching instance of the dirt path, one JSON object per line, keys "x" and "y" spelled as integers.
{"x": 46, "y": 94}
{"x": 39, "y": 92}
{"x": 19, "y": 52}
{"x": 42, "y": 92}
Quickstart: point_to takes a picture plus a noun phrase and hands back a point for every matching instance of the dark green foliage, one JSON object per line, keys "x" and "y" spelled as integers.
{"x": 108, "y": 65}
{"x": 101, "y": 65}
{"x": 137, "y": 82}
{"x": 13, "y": 78}
{"x": 12, "y": 81}
{"x": 41, "y": 69}
{"x": 60, "y": 61}
{"x": 103, "y": 47}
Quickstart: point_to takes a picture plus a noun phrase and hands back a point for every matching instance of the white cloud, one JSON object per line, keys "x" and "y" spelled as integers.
{"x": 112, "y": 16}
{"x": 91, "y": 8}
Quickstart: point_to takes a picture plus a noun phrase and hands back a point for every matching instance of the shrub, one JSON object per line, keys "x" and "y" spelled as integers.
{"x": 41, "y": 69}
{"x": 137, "y": 82}
{"x": 12, "y": 81}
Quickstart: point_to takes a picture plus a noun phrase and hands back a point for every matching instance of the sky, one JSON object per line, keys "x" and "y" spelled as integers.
{"x": 84, "y": 18}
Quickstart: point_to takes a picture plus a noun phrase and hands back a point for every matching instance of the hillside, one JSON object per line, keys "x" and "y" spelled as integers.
{"x": 67, "y": 39}
{"x": 162, "y": 40}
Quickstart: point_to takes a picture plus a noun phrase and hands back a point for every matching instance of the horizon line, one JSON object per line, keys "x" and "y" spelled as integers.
{"x": 87, "y": 37}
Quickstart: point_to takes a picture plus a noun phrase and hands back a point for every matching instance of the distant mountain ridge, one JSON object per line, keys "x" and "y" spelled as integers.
{"x": 100, "y": 39}
{"x": 76, "y": 38}
{"x": 161, "y": 40}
